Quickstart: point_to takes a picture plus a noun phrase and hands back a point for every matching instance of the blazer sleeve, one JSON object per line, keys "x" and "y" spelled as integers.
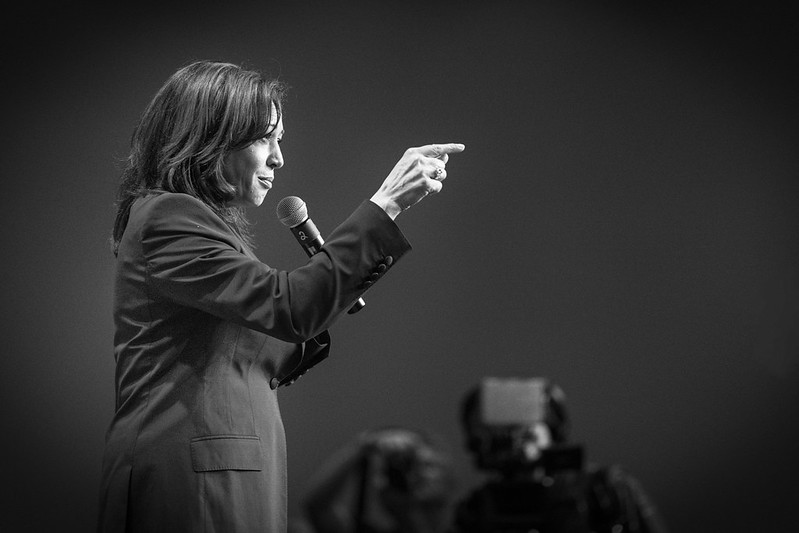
{"x": 193, "y": 259}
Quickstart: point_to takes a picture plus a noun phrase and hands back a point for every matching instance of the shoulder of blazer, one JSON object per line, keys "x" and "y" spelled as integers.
{"x": 179, "y": 212}
{"x": 176, "y": 204}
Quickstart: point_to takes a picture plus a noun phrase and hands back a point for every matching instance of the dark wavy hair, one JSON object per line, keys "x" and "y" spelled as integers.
{"x": 204, "y": 111}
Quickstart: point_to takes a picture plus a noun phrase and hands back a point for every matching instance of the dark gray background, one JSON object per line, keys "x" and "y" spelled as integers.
{"x": 623, "y": 221}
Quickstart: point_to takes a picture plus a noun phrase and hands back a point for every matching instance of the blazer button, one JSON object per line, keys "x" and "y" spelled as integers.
{"x": 374, "y": 277}
{"x": 381, "y": 268}
{"x": 367, "y": 284}
{"x": 274, "y": 383}
{"x": 388, "y": 260}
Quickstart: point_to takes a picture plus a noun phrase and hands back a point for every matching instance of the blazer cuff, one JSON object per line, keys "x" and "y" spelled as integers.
{"x": 391, "y": 244}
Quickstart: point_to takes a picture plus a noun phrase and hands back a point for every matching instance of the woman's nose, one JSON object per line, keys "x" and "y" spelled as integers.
{"x": 275, "y": 158}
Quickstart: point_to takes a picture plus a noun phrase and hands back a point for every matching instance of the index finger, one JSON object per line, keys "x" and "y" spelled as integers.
{"x": 437, "y": 150}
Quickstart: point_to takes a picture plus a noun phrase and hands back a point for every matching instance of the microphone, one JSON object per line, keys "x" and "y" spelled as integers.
{"x": 293, "y": 213}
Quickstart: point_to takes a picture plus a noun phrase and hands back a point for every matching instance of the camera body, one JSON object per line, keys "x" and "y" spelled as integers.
{"x": 552, "y": 504}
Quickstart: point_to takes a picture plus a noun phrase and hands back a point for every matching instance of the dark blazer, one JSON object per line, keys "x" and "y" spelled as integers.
{"x": 205, "y": 334}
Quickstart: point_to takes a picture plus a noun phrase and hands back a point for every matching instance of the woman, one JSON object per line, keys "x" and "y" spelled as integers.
{"x": 205, "y": 332}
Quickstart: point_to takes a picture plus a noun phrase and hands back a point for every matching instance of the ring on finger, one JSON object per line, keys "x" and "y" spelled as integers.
{"x": 439, "y": 173}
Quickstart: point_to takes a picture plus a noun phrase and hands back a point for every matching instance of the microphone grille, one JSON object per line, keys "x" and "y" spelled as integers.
{"x": 292, "y": 211}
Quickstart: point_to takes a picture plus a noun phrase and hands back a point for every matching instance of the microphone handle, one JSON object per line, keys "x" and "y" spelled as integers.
{"x": 311, "y": 241}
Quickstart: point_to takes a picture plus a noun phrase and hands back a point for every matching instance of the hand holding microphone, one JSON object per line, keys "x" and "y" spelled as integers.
{"x": 293, "y": 213}
{"x": 419, "y": 173}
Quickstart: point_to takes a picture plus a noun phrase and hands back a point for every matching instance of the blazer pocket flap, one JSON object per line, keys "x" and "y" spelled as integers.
{"x": 226, "y": 452}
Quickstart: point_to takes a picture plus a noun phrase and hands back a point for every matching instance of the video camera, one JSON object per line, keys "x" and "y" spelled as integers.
{"x": 517, "y": 427}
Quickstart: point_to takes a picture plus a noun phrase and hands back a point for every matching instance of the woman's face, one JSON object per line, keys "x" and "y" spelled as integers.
{"x": 252, "y": 169}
